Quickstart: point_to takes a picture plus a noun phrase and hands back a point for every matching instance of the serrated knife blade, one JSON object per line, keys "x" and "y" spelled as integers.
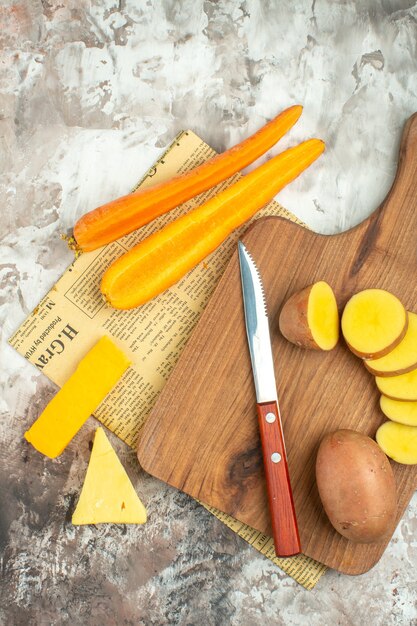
{"x": 281, "y": 503}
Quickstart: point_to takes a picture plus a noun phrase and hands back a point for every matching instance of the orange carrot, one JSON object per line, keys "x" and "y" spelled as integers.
{"x": 124, "y": 215}
{"x": 164, "y": 257}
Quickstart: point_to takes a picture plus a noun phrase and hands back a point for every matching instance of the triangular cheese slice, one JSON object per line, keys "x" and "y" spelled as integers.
{"x": 107, "y": 495}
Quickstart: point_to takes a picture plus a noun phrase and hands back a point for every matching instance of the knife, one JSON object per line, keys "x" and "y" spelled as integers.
{"x": 281, "y": 503}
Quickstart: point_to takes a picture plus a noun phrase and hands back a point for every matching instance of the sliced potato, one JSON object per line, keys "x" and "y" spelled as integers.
{"x": 310, "y": 318}
{"x": 403, "y": 358}
{"x": 399, "y": 410}
{"x": 402, "y": 387}
{"x": 399, "y": 442}
{"x": 373, "y": 322}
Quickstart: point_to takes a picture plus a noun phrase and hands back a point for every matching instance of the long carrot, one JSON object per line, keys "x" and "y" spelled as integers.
{"x": 164, "y": 257}
{"x": 124, "y": 215}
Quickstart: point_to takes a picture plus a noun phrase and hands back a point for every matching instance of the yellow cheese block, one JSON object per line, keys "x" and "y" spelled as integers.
{"x": 108, "y": 495}
{"x": 94, "y": 377}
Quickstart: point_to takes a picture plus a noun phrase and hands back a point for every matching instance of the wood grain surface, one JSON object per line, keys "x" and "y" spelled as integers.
{"x": 202, "y": 435}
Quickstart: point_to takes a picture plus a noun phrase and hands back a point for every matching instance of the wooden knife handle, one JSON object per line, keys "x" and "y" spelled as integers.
{"x": 281, "y": 503}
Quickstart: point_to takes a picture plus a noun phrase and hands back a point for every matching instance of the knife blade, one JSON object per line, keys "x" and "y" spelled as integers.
{"x": 280, "y": 497}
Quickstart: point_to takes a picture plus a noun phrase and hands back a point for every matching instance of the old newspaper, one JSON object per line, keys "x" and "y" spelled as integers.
{"x": 73, "y": 316}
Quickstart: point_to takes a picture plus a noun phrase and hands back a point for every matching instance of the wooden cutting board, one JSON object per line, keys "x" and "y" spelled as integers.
{"x": 202, "y": 435}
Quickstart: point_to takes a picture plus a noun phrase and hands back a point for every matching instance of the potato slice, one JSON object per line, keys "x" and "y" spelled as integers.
{"x": 403, "y": 358}
{"x": 373, "y": 322}
{"x": 310, "y": 319}
{"x": 402, "y": 387}
{"x": 399, "y": 442}
{"x": 399, "y": 410}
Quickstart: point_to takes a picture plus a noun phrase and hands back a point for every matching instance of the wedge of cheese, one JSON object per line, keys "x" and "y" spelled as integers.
{"x": 107, "y": 495}
{"x": 94, "y": 377}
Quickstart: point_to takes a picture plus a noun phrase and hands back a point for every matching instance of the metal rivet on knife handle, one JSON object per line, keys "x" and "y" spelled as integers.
{"x": 270, "y": 418}
{"x": 275, "y": 457}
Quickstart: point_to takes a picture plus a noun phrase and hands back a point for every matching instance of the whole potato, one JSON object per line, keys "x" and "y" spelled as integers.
{"x": 356, "y": 486}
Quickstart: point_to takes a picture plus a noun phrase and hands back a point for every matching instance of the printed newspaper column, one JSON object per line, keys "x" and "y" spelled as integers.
{"x": 73, "y": 316}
